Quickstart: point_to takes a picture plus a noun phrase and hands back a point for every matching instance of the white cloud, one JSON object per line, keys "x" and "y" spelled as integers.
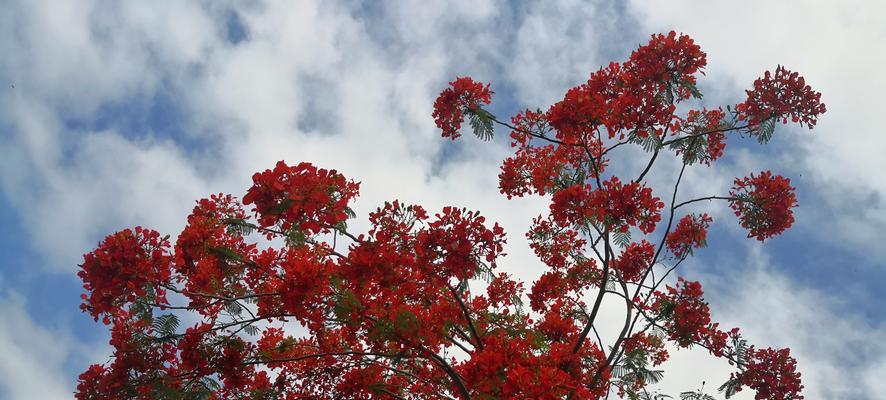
{"x": 837, "y": 351}
{"x": 835, "y": 46}
{"x": 32, "y": 366}
{"x": 559, "y": 43}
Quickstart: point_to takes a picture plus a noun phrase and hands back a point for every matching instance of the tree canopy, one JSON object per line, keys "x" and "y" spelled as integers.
{"x": 273, "y": 296}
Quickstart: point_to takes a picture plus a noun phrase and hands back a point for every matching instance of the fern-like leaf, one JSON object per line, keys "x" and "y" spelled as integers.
{"x": 481, "y": 122}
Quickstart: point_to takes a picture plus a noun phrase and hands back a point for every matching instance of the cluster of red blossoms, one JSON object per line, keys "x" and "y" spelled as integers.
{"x": 772, "y": 374}
{"x": 463, "y": 95}
{"x": 691, "y": 233}
{"x": 637, "y": 97}
{"x": 686, "y": 318}
{"x": 615, "y": 206}
{"x": 764, "y": 204}
{"x": 305, "y": 197}
{"x": 284, "y": 302}
{"x": 130, "y": 264}
{"x": 783, "y": 95}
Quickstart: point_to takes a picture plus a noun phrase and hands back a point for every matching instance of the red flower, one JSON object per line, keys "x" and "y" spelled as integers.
{"x": 616, "y": 206}
{"x": 630, "y": 97}
{"x": 666, "y": 58}
{"x": 457, "y": 242}
{"x": 463, "y": 94}
{"x": 763, "y": 204}
{"x": 304, "y": 197}
{"x": 652, "y": 347}
{"x": 688, "y": 318}
{"x": 635, "y": 260}
{"x": 704, "y": 141}
{"x": 208, "y": 250}
{"x": 782, "y": 95}
{"x": 691, "y": 233}
{"x": 126, "y": 265}
{"x": 772, "y": 374}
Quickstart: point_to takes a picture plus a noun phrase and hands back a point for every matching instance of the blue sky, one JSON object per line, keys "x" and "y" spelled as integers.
{"x": 123, "y": 114}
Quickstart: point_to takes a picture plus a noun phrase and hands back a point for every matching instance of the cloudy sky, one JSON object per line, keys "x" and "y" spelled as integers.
{"x": 115, "y": 114}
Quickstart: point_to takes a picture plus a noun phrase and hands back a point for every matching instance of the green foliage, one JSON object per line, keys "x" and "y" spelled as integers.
{"x": 251, "y": 330}
{"x": 165, "y": 326}
{"x": 730, "y": 387}
{"x": 239, "y": 227}
{"x": 345, "y": 306}
{"x": 765, "y": 130}
{"x": 279, "y": 208}
{"x": 622, "y": 239}
{"x": 233, "y": 308}
{"x": 634, "y": 368}
{"x": 296, "y": 238}
{"x": 481, "y": 122}
{"x": 649, "y": 142}
{"x": 226, "y": 253}
{"x": 699, "y": 395}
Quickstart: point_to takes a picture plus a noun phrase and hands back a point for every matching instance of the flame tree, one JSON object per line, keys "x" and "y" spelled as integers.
{"x": 291, "y": 304}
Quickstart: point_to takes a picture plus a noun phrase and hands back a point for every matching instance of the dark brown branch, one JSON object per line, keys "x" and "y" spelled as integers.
{"x": 467, "y": 315}
{"x": 597, "y": 302}
{"x": 648, "y": 166}
{"x": 709, "y": 198}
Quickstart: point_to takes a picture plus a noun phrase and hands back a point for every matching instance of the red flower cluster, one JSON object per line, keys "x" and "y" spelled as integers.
{"x": 691, "y": 233}
{"x": 688, "y": 318}
{"x": 304, "y": 197}
{"x": 531, "y": 170}
{"x": 626, "y": 205}
{"x": 558, "y": 248}
{"x": 763, "y": 204}
{"x": 635, "y": 260}
{"x": 507, "y": 368}
{"x": 127, "y": 265}
{"x": 652, "y": 347}
{"x": 782, "y": 95}
{"x": 456, "y": 242}
{"x": 772, "y": 374}
{"x": 630, "y": 96}
{"x": 463, "y": 94}
{"x": 617, "y": 206}
{"x": 205, "y": 249}
{"x": 303, "y": 284}
{"x": 669, "y": 57}
{"x": 542, "y": 169}
{"x": 136, "y": 361}
{"x": 705, "y": 138}
{"x": 552, "y": 287}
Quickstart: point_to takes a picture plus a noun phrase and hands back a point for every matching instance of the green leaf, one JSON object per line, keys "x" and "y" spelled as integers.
{"x": 481, "y": 122}
{"x": 251, "y": 330}
{"x": 649, "y": 142}
{"x": 730, "y": 387}
{"x": 233, "y": 308}
{"x": 296, "y": 238}
{"x": 406, "y": 323}
{"x": 622, "y": 239}
{"x": 696, "y": 396}
{"x": 765, "y": 130}
{"x": 239, "y": 226}
{"x": 165, "y": 325}
{"x": 693, "y": 90}
{"x": 345, "y": 306}
{"x": 350, "y": 213}
{"x": 280, "y": 208}
{"x": 226, "y": 253}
